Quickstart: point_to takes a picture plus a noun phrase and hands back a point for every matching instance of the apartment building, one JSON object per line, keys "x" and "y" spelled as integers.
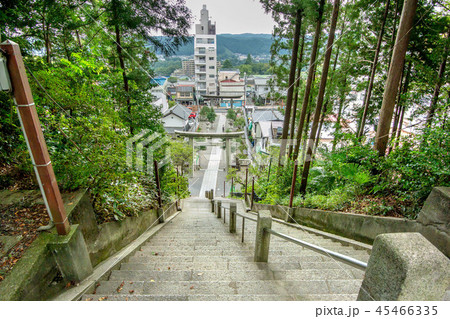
{"x": 205, "y": 55}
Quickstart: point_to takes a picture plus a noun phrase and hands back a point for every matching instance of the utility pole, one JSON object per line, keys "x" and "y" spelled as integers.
{"x": 37, "y": 147}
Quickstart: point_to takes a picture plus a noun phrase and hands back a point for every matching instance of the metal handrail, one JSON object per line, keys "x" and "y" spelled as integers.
{"x": 247, "y": 217}
{"x": 346, "y": 259}
{"x": 243, "y": 224}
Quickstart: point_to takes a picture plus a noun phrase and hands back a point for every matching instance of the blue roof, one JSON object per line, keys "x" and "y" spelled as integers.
{"x": 160, "y": 80}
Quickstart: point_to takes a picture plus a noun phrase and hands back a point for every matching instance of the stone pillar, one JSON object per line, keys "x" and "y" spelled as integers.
{"x": 160, "y": 214}
{"x": 219, "y": 209}
{"x": 262, "y": 237}
{"x": 232, "y": 223}
{"x": 405, "y": 266}
{"x": 191, "y": 146}
{"x": 289, "y": 218}
{"x": 71, "y": 255}
{"x": 228, "y": 154}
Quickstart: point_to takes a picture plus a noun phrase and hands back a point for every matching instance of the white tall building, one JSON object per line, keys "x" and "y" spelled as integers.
{"x": 205, "y": 55}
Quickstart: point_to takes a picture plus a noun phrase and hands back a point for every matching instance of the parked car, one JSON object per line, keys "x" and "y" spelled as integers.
{"x": 193, "y": 115}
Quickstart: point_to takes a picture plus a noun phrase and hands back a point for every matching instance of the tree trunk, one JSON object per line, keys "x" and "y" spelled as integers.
{"x": 394, "y": 30}
{"x": 401, "y": 108}
{"x": 297, "y": 92}
{"x": 437, "y": 88}
{"x": 48, "y": 45}
{"x": 393, "y": 80}
{"x": 372, "y": 72}
{"x": 124, "y": 74}
{"x": 327, "y": 101}
{"x": 308, "y": 119}
{"x": 292, "y": 79}
{"x": 319, "y": 130}
{"x": 323, "y": 82}
{"x": 305, "y": 134}
{"x": 338, "y": 117}
{"x": 78, "y": 38}
{"x": 312, "y": 63}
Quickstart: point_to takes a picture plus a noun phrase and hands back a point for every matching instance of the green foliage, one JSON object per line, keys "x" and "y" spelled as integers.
{"x": 181, "y": 153}
{"x": 79, "y": 89}
{"x": 208, "y": 113}
{"x": 231, "y": 114}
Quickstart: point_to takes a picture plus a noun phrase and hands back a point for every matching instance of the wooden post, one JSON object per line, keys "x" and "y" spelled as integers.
{"x": 246, "y": 180}
{"x": 34, "y": 137}
{"x": 294, "y": 179}
{"x": 158, "y": 186}
{"x": 223, "y": 188}
{"x": 232, "y": 224}
{"x": 253, "y": 191}
{"x": 232, "y": 186}
{"x": 270, "y": 166}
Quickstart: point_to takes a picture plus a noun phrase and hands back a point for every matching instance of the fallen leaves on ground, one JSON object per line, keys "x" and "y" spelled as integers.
{"x": 24, "y": 220}
{"x": 119, "y": 289}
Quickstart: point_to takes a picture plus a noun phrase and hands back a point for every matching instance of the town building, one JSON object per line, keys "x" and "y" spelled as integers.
{"x": 231, "y": 85}
{"x": 205, "y": 55}
{"x": 188, "y": 67}
{"x": 185, "y": 93}
{"x": 177, "y": 118}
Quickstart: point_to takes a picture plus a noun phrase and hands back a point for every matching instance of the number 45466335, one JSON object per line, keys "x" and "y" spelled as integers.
{"x": 407, "y": 310}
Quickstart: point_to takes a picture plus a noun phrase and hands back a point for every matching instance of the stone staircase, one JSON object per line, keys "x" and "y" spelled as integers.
{"x": 194, "y": 257}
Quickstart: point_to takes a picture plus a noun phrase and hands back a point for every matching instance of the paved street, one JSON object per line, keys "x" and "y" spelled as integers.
{"x": 212, "y": 172}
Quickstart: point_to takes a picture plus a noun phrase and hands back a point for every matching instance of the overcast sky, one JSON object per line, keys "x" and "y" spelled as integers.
{"x": 234, "y": 16}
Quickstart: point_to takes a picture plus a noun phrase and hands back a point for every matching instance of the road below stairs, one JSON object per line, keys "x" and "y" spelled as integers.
{"x": 194, "y": 257}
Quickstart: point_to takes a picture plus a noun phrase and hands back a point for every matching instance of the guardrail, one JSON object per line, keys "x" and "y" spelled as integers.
{"x": 326, "y": 252}
{"x": 264, "y": 230}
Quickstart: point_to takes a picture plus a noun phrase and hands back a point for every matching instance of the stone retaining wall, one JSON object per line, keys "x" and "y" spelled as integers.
{"x": 33, "y": 277}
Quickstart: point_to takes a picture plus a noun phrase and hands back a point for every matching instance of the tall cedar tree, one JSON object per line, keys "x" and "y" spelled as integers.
{"x": 395, "y": 72}
{"x": 143, "y": 17}
{"x": 323, "y": 82}
{"x": 309, "y": 81}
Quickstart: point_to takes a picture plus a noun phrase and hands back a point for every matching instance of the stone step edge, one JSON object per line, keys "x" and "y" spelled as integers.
{"x": 173, "y": 297}
{"x": 104, "y": 269}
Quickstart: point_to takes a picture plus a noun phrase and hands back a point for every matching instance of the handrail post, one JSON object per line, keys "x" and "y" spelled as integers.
{"x": 294, "y": 180}
{"x": 253, "y": 192}
{"x": 262, "y": 240}
{"x": 158, "y": 185}
{"x": 246, "y": 179}
{"x": 219, "y": 209}
{"x": 232, "y": 187}
{"x": 232, "y": 223}
{"x": 34, "y": 138}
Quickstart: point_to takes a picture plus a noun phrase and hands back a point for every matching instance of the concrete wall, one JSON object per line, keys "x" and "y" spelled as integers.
{"x": 36, "y": 275}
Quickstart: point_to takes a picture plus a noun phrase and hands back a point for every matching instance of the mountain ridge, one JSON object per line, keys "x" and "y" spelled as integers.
{"x": 228, "y": 44}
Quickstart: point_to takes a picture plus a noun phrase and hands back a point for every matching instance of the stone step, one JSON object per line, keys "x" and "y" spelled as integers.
{"x": 236, "y": 275}
{"x": 214, "y": 259}
{"x": 242, "y": 251}
{"x": 194, "y": 257}
{"x": 199, "y": 266}
{"x": 191, "y": 275}
{"x": 224, "y": 287}
{"x": 135, "y": 297}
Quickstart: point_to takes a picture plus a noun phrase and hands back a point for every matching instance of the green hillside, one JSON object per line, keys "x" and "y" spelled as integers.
{"x": 230, "y": 44}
